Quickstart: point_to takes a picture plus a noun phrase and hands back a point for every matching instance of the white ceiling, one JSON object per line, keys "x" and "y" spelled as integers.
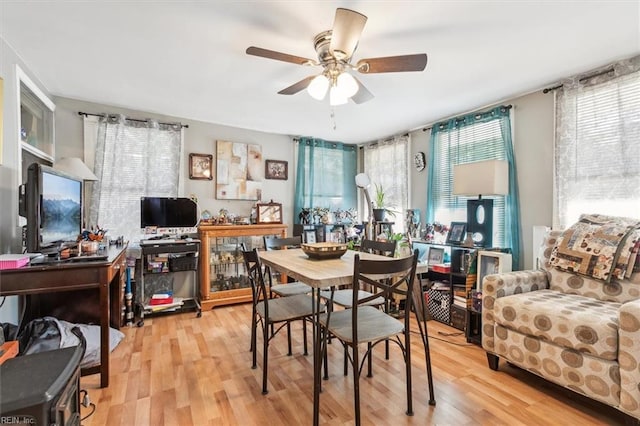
{"x": 187, "y": 59}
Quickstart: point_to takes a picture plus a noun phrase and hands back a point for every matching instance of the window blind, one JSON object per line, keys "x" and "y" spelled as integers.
{"x": 597, "y": 152}
{"x": 475, "y": 142}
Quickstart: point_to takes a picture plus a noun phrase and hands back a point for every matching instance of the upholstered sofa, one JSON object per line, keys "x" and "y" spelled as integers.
{"x": 572, "y": 329}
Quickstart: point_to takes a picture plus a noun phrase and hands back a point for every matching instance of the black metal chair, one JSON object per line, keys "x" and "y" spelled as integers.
{"x": 272, "y": 314}
{"x": 343, "y": 297}
{"x": 291, "y": 288}
{"x": 366, "y": 324}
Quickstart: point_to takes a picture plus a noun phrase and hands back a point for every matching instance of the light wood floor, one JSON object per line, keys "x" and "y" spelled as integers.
{"x": 183, "y": 370}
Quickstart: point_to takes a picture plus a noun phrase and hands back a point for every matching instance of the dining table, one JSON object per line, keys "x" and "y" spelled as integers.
{"x": 318, "y": 274}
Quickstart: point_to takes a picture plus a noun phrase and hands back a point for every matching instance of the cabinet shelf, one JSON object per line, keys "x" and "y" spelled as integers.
{"x": 224, "y": 282}
{"x": 175, "y": 270}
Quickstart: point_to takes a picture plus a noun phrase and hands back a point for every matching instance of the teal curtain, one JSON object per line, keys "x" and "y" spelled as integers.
{"x": 474, "y": 137}
{"x": 325, "y": 175}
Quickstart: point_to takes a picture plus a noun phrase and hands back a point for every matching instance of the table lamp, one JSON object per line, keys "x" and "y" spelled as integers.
{"x": 363, "y": 182}
{"x": 480, "y": 178}
{"x": 75, "y": 167}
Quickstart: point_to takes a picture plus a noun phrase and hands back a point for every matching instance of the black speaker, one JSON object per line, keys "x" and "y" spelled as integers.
{"x": 480, "y": 221}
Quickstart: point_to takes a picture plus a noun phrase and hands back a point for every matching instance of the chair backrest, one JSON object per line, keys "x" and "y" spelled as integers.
{"x": 384, "y": 248}
{"x": 276, "y": 243}
{"x": 253, "y": 267}
{"x": 383, "y": 278}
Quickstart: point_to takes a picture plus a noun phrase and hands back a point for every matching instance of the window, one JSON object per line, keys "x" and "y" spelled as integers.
{"x": 325, "y": 175}
{"x": 132, "y": 159}
{"x": 597, "y": 167}
{"x": 475, "y": 137}
{"x": 386, "y": 164}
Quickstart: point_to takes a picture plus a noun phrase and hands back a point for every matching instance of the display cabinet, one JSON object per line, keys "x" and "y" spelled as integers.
{"x": 223, "y": 279}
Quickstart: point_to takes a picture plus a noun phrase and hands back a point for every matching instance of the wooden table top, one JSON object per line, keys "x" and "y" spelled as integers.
{"x": 316, "y": 273}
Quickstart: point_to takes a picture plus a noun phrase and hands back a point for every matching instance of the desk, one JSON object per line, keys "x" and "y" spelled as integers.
{"x": 317, "y": 274}
{"x": 45, "y": 286}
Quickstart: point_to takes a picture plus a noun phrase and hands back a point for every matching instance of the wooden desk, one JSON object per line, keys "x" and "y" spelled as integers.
{"x": 46, "y": 288}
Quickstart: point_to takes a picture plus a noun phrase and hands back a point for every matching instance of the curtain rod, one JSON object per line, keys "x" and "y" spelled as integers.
{"x": 131, "y": 119}
{"x": 424, "y": 129}
{"x": 582, "y": 80}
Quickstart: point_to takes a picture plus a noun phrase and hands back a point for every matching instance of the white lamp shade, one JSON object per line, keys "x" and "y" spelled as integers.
{"x": 318, "y": 87}
{"x": 347, "y": 85}
{"x": 75, "y": 167}
{"x": 489, "y": 177}
{"x": 336, "y": 97}
{"x": 362, "y": 180}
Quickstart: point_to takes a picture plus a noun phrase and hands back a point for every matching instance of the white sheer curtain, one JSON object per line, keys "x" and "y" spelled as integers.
{"x": 386, "y": 163}
{"x": 132, "y": 159}
{"x": 597, "y": 154}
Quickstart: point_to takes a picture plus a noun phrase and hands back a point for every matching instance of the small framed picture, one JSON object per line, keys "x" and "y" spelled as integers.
{"x": 436, "y": 255}
{"x": 274, "y": 169}
{"x": 457, "y": 233}
{"x": 200, "y": 166}
{"x": 310, "y": 237}
{"x": 269, "y": 213}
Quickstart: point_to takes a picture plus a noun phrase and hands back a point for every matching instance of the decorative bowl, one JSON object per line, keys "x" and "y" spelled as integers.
{"x": 321, "y": 251}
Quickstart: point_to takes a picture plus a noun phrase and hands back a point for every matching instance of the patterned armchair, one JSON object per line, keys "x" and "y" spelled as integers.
{"x": 572, "y": 329}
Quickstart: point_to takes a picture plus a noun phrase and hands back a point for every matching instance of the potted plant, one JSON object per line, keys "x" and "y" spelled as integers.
{"x": 379, "y": 205}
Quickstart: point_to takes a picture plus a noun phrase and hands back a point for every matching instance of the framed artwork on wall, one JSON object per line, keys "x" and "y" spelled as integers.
{"x": 200, "y": 166}
{"x": 274, "y": 169}
{"x": 239, "y": 171}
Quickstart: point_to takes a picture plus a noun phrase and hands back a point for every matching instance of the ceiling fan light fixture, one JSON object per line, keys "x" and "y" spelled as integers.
{"x": 318, "y": 87}
{"x": 347, "y": 85}
{"x": 336, "y": 97}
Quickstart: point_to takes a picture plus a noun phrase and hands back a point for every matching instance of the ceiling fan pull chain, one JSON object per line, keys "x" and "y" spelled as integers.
{"x": 332, "y": 115}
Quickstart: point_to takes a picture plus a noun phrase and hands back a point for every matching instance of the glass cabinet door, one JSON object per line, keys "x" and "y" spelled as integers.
{"x": 226, "y": 264}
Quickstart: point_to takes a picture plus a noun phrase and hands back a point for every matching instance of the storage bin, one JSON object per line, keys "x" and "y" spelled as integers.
{"x": 183, "y": 263}
{"x": 439, "y": 304}
{"x": 458, "y": 317}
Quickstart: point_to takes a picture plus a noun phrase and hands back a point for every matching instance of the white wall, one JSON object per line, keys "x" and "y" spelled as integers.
{"x": 533, "y": 145}
{"x": 201, "y": 138}
{"x": 10, "y": 233}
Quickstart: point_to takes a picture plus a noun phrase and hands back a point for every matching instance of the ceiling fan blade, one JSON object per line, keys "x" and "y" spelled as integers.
{"x": 278, "y": 56}
{"x": 297, "y": 87}
{"x": 362, "y": 95}
{"x": 347, "y": 28}
{"x": 402, "y": 63}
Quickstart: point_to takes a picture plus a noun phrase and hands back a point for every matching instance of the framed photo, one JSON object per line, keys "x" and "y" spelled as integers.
{"x": 436, "y": 255}
{"x": 457, "y": 233}
{"x": 200, "y": 166}
{"x": 310, "y": 236}
{"x": 274, "y": 169}
{"x": 269, "y": 213}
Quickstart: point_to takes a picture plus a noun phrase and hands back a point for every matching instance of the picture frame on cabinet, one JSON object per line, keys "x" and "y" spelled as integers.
{"x": 457, "y": 233}
{"x": 269, "y": 213}
{"x": 310, "y": 237}
{"x": 435, "y": 256}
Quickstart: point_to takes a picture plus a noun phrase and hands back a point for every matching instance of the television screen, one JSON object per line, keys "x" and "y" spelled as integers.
{"x": 52, "y": 203}
{"x": 166, "y": 212}
{"x": 61, "y": 208}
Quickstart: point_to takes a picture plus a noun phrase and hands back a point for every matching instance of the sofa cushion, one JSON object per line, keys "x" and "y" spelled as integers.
{"x": 597, "y": 246}
{"x": 566, "y": 282}
{"x": 568, "y": 320}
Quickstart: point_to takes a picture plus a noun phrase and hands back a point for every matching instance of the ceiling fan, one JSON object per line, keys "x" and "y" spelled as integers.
{"x": 335, "y": 50}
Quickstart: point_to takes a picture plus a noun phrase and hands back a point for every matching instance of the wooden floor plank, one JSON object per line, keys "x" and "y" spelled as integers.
{"x": 184, "y": 370}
